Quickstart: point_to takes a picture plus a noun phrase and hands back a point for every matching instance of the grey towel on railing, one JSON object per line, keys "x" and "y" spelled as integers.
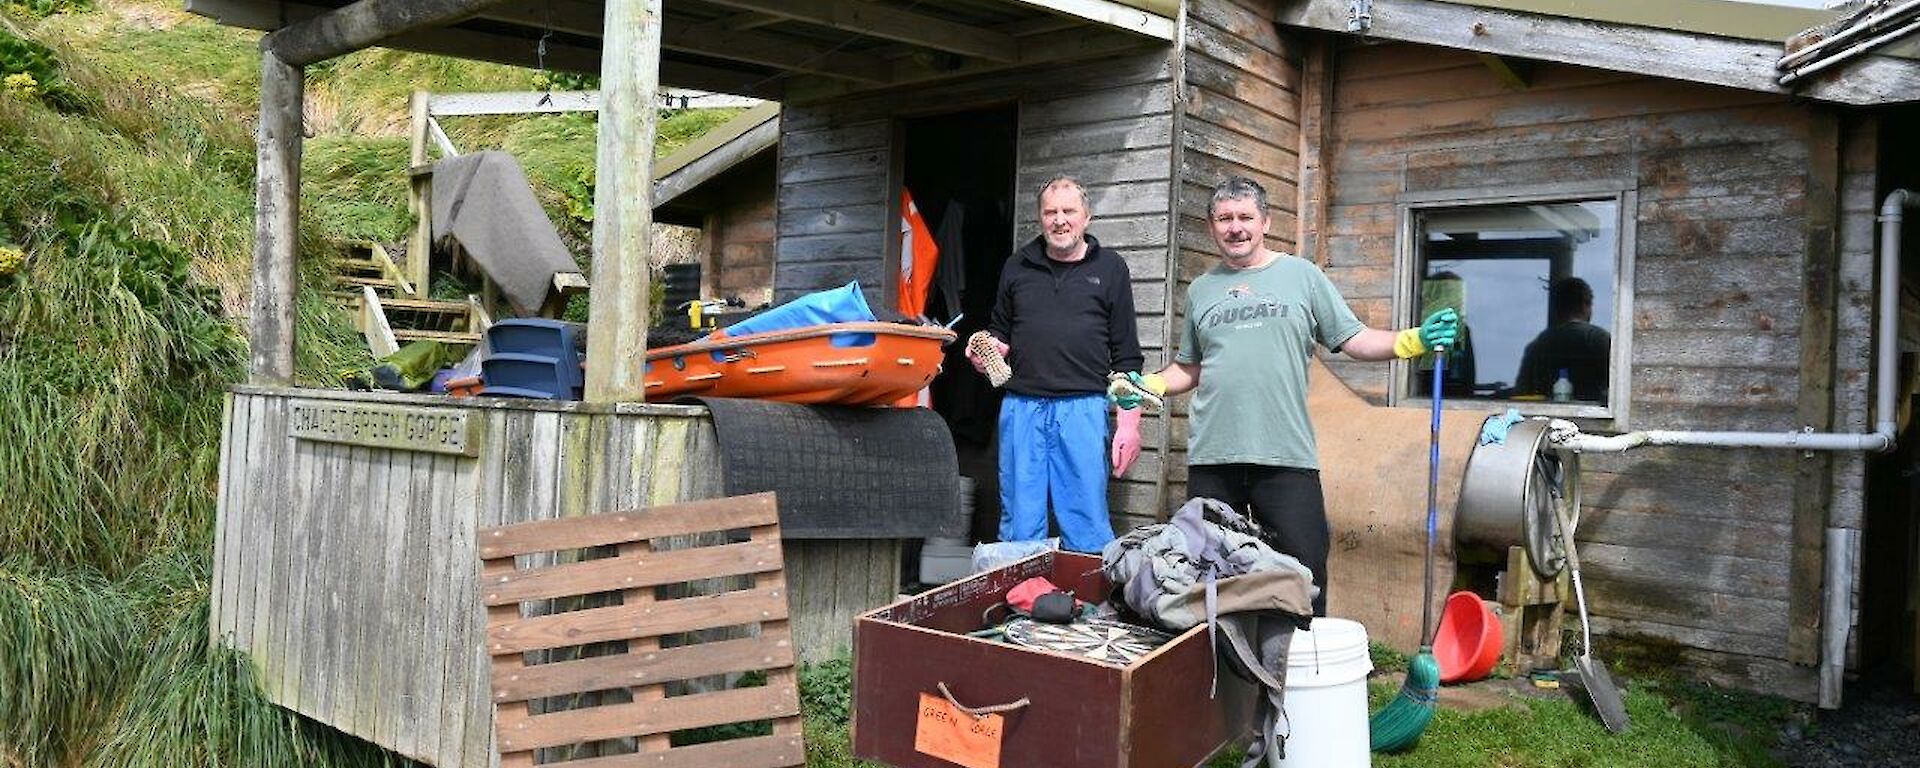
{"x": 482, "y": 202}
{"x": 842, "y": 473}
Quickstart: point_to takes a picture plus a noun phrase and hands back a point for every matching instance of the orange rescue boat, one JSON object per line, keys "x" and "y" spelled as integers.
{"x": 865, "y": 363}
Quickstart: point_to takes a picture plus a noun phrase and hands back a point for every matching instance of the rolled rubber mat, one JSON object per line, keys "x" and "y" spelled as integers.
{"x": 842, "y": 473}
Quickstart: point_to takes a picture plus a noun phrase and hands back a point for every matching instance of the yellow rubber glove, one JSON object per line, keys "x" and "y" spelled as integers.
{"x": 1440, "y": 329}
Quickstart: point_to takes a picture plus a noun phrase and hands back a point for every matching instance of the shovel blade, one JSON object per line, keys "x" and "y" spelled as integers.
{"x": 1601, "y": 691}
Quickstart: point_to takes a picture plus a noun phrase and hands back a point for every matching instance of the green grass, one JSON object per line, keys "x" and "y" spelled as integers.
{"x": 1675, "y": 725}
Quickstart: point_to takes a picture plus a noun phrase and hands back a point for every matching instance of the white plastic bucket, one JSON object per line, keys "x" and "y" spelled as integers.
{"x": 1326, "y": 702}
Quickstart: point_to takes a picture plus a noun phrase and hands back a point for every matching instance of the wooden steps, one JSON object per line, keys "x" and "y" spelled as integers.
{"x": 390, "y": 311}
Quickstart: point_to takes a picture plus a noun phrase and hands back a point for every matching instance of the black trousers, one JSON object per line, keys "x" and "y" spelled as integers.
{"x": 1286, "y": 501}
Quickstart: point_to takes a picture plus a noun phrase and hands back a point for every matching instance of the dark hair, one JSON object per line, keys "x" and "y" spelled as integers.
{"x": 1567, "y": 295}
{"x": 1239, "y": 188}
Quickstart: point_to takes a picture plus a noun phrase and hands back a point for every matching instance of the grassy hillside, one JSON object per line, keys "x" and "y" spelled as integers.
{"x": 126, "y": 197}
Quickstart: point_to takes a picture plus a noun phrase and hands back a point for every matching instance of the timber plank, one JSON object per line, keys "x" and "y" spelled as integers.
{"x": 664, "y": 665}
{"x": 618, "y": 622}
{"x": 1044, "y": 114}
{"x": 259, "y": 451}
{"x": 631, "y": 572}
{"x": 386, "y": 665}
{"x": 290, "y": 582}
{"x": 489, "y": 509}
{"x": 220, "y": 618}
{"x": 611, "y": 721}
{"x": 440, "y": 561}
{"x": 460, "y": 647}
{"x": 770, "y": 751}
{"x": 692, "y": 517}
{"x": 373, "y": 584}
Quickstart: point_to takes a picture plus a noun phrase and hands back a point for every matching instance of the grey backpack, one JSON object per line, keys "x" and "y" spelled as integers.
{"x": 1209, "y": 565}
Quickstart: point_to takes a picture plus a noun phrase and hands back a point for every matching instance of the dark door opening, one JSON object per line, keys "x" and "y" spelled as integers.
{"x": 959, "y": 168}
{"x": 1889, "y": 631}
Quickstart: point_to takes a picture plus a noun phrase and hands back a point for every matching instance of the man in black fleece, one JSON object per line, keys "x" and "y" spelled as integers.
{"x": 1063, "y": 318}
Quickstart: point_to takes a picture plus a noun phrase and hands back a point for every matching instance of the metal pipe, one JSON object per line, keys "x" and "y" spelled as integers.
{"x": 1796, "y": 58}
{"x": 1851, "y": 52}
{"x": 1886, "y": 360}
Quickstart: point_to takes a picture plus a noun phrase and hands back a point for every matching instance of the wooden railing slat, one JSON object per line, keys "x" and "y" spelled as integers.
{"x": 617, "y": 573}
{"x": 637, "y": 525}
{"x": 613, "y": 721}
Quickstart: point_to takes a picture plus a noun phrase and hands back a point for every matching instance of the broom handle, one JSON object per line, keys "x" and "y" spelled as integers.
{"x": 1433, "y": 498}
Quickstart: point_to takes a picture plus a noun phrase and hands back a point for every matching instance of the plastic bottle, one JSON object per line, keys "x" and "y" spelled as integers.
{"x": 1563, "y": 388}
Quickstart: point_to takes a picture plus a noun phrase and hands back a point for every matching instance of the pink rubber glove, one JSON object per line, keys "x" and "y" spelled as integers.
{"x": 1126, "y": 439}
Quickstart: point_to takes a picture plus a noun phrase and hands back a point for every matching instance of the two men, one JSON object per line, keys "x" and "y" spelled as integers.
{"x": 1252, "y": 323}
{"x": 1063, "y": 318}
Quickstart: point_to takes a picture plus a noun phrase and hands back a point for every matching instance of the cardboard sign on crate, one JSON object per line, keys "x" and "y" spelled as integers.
{"x": 583, "y": 612}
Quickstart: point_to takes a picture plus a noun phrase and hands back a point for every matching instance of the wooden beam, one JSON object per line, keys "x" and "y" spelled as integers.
{"x": 770, "y": 50}
{"x": 623, "y": 203}
{"x": 365, "y": 23}
{"x": 712, "y": 39}
{"x": 911, "y": 70}
{"x": 875, "y": 20}
{"x": 1748, "y": 65}
{"x": 276, "y": 221}
{"x": 419, "y": 198}
{"x": 1316, "y": 112}
{"x": 513, "y": 103}
{"x": 506, "y": 49}
{"x": 1813, "y": 475}
{"x": 1110, "y": 14}
{"x": 745, "y": 21}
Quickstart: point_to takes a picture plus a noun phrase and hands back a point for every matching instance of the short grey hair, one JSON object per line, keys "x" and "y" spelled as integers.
{"x": 1063, "y": 180}
{"x": 1239, "y": 188}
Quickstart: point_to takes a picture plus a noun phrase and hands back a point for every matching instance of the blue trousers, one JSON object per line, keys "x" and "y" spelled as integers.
{"x": 1054, "y": 448}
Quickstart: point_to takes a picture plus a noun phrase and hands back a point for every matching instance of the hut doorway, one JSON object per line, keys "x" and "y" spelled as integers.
{"x": 1889, "y": 629}
{"x": 959, "y": 168}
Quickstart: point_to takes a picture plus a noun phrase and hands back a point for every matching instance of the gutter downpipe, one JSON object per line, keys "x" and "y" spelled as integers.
{"x": 1841, "y": 543}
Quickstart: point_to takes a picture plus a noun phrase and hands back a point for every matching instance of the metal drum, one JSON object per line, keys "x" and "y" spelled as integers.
{"x": 1509, "y": 492}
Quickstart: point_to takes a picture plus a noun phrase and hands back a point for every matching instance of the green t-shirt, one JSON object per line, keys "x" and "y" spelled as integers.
{"x": 1251, "y": 332}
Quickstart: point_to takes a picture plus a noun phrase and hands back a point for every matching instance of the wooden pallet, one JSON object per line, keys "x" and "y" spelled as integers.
{"x": 537, "y": 705}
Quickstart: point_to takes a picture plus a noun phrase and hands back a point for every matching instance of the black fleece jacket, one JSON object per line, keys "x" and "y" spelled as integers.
{"x": 1066, "y": 324}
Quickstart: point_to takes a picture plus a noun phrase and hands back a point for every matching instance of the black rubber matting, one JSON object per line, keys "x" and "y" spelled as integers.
{"x": 842, "y": 473}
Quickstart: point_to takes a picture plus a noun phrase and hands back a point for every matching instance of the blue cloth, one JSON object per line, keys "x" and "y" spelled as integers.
{"x": 1494, "y": 430}
{"x": 845, "y": 304}
{"x": 1054, "y": 448}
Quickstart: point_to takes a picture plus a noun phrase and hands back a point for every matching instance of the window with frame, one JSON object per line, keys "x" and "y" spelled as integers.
{"x": 1537, "y": 285}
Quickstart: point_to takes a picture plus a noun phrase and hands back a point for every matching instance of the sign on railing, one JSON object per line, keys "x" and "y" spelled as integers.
{"x": 400, "y": 427}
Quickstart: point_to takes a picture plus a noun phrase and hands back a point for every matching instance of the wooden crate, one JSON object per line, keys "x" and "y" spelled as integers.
{"x": 1082, "y": 713}
{"x": 560, "y": 641}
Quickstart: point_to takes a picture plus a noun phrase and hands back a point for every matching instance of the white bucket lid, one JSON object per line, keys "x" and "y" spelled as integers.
{"x": 1332, "y": 653}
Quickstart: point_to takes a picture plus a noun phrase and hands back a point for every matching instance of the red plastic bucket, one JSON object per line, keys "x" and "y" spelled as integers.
{"x": 1468, "y": 643}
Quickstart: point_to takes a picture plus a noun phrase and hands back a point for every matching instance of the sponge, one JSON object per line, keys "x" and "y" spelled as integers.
{"x": 981, "y": 345}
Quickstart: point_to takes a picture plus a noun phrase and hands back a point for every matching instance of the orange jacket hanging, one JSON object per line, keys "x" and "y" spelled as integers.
{"x": 918, "y": 256}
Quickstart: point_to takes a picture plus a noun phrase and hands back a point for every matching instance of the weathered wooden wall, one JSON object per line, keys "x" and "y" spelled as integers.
{"x": 1108, "y": 122}
{"x": 1735, "y": 192}
{"x": 738, "y": 247}
{"x": 1239, "y": 116}
{"x": 348, "y": 574}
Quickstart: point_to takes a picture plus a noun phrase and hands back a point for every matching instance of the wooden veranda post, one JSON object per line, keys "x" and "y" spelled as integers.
{"x": 276, "y": 220}
{"x": 623, "y": 201}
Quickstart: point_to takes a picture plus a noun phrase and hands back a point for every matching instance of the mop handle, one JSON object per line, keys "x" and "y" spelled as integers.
{"x": 1433, "y": 495}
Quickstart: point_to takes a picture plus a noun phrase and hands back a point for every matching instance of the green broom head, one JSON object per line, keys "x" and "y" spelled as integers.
{"x": 1398, "y": 726}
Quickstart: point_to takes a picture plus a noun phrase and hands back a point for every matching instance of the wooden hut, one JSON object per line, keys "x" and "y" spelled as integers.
{"x": 1724, "y": 224}
{"x": 722, "y": 185}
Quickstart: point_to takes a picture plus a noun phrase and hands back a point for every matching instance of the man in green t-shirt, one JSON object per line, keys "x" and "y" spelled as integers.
{"x": 1252, "y": 323}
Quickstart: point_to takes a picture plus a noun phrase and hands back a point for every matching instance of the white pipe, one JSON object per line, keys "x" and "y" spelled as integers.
{"x": 1836, "y": 615}
{"x": 1886, "y": 360}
